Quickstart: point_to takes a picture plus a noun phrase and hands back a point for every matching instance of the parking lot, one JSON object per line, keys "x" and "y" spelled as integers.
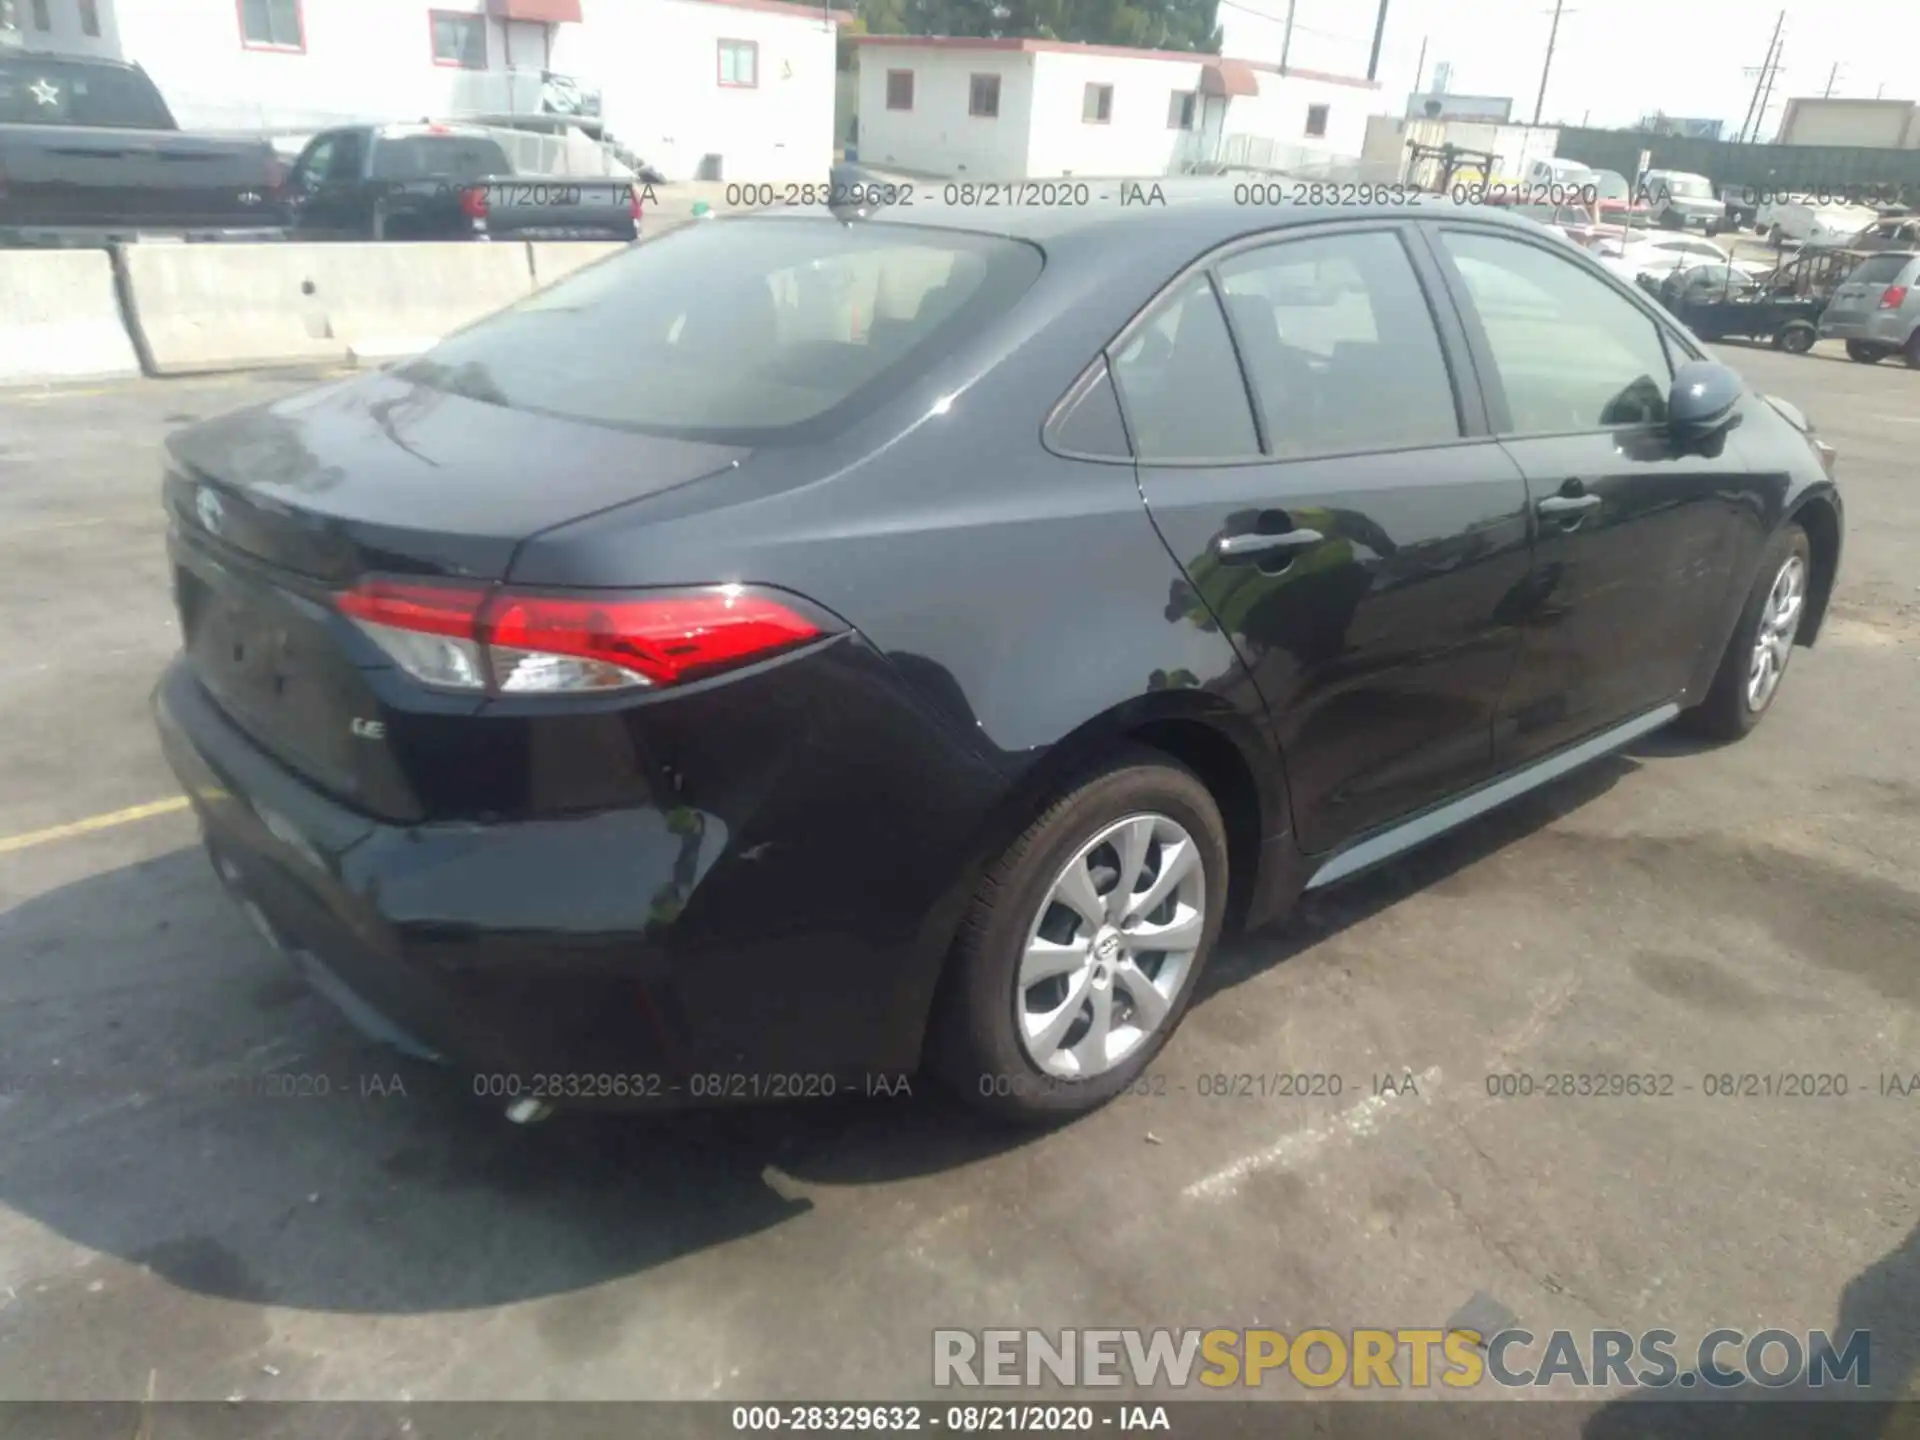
{"x": 173, "y": 1226}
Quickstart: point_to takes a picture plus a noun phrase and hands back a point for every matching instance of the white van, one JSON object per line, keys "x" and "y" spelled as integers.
{"x": 1540, "y": 177}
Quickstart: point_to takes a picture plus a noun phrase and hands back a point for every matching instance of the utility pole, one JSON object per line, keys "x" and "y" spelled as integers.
{"x": 1766, "y": 69}
{"x": 1286, "y": 38}
{"x": 1760, "y": 115}
{"x": 1379, "y": 34}
{"x": 1832, "y": 75}
{"x": 1420, "y": 68}
{"x": 1546, "y": 66}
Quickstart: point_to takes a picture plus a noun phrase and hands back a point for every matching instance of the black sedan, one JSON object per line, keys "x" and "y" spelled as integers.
{"x": 808, "y": 648}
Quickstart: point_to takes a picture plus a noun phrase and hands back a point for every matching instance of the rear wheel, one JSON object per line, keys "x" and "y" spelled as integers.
{"x": 1762, "y": 643}
{"x": 1079, "y": 953}
{"x": 1863, "y": 352}
{"x": 1797, "y": 339}
{"x": 1912, "y": 349}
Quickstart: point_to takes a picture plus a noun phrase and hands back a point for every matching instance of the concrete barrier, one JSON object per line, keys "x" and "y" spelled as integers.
{"x": 554, "y": 259}
{"x": 236, "y": 307}
{"x": 60, "y": 319}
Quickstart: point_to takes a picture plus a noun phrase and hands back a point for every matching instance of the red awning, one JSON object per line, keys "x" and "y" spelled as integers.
{"x": 1229, "y": 77}
{"x": 541, "y": 12}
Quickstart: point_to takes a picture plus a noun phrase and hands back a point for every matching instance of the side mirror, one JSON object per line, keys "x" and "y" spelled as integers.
{"x": 1704, "y": 401}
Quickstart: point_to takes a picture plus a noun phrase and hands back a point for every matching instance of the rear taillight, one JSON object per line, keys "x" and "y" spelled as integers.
{"x": 473, "y": 203}
{"x": 634, "y": 207}
{"x": 511, "y": 642}
{"x": 1893, "y": 297}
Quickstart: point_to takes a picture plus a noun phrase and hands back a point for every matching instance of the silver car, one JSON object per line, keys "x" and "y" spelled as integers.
{"x": 1876, "y": 309}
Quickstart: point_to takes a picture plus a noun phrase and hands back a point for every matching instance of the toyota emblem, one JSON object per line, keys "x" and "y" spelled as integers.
{"x": 210, "y": 510}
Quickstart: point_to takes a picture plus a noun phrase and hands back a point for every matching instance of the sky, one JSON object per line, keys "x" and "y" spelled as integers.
{"x": 1614, "y": 61}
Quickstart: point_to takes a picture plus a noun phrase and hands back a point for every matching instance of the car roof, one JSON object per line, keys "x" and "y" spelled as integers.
{"x": 1203, "y": 211}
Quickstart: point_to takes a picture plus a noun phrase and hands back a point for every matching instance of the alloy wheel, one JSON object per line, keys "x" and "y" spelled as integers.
{"x": 1114, "y": 940}
{"x": 1773, "y": 641}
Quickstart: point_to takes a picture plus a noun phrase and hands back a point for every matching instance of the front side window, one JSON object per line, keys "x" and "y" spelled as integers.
{"x": 1339, "y": 345}
{"x": 459, "y": 40}
{"x": 739, "y": 64}
{"x": 1571, "y": 353}
{"x": 740, "y": 331}
{"x": 273, "y": 24}
{"x": 1181, "y": 383}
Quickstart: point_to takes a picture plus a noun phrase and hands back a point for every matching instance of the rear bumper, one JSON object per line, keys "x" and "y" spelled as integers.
{"x": 1876, "y": 327}
{"x": 549, "y": 959}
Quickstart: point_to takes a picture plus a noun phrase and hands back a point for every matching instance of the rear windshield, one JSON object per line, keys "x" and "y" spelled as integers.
{"x": 438, "y": 157}
{"x": 738, "y": 330}
{"x": 1879, "y": 270}
{"x": 35, "y": 90}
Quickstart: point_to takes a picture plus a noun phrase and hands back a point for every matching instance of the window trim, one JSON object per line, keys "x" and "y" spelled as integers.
{"x": 1087, "y": 94}
{"x": 433, "y": 40}
{"x": 1673, "y": 343}
{"x": 1463, "y": 363}
{"x": 1326, "y": 111}
{"x": 299, "y": 24}
{"x": 752, "y": 47}
{"x": 906, "y": 109}
{"x": 972, "y": 81}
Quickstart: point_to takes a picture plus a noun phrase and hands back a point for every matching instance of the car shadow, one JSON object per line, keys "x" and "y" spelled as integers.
{"x": 172, "y": 1097}
{"x": 1324, "y": 914}
{"x": 1879, "y": 1301}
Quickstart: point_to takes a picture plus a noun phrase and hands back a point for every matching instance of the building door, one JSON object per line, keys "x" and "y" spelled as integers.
{"x": 1213, "y": 121}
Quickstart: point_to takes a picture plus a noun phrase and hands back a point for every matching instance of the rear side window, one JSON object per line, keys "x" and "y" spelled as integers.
{"x": 738, "y": 330}
{"x": 41, "y": 91}
{"x": 1181, "y": 383}
{"x": 439, "y": 157}
{"x": 1339, "y": 345}
{"x": 1880, "y": 270}
{"x": 1571, "y": 353}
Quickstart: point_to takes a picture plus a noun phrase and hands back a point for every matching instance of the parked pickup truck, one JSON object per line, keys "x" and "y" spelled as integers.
{"x": 444, "y": 182}
{"x": 89, "y": 153}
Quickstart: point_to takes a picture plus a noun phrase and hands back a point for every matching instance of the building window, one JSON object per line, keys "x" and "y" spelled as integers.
{"x": 1316, "y": 119}
{"x": 41, "y": 20}
{"x": 272, "y": 25}
{"x": 899, "y": 89}
{"x": 1180, "y": 110}
{"x": 90, "y": 17}
{"x": 1097, "y": 108}
{"x": 983, "y": 96}
{"x": 459, "y": 40}
{"x": 740, "y": 64}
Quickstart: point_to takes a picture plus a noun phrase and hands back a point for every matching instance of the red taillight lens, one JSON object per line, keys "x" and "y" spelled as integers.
{"x": 515, "y": 643}
{"x": 473, "y": 203}
{"x": 1893, "y": 297}
{"x": 634, "y": 207}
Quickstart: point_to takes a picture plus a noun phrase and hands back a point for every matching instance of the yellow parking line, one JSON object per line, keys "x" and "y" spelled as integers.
{"x": 92, "y": 823}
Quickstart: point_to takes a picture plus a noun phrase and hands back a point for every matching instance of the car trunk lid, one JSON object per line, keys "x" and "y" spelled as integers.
{"x": 276, "y": 509}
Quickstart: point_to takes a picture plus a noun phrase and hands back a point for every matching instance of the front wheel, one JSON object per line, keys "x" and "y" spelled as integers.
{"x": 1080, "y": 951}
{"x": 1797, "y": 339}
{"x": 1755, "y": 660}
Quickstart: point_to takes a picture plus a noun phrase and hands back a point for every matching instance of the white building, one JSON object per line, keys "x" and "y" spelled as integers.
{"x": 1014, "y": 108}
{"x": 735, "y": 88}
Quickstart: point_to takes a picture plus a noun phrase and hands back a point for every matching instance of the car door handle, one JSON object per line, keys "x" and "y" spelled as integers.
{"x": 1567, "y": 504}
{"x": 1245, "y": 547}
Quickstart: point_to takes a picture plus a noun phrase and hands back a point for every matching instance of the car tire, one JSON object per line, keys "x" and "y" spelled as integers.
{"x": 1911, "y": 350}
{"x": 1734, "y": 703}
{"x": 1863, "y": 352}
{"x": 992, "y": 1018}
{"x": 1797, "y": 339}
